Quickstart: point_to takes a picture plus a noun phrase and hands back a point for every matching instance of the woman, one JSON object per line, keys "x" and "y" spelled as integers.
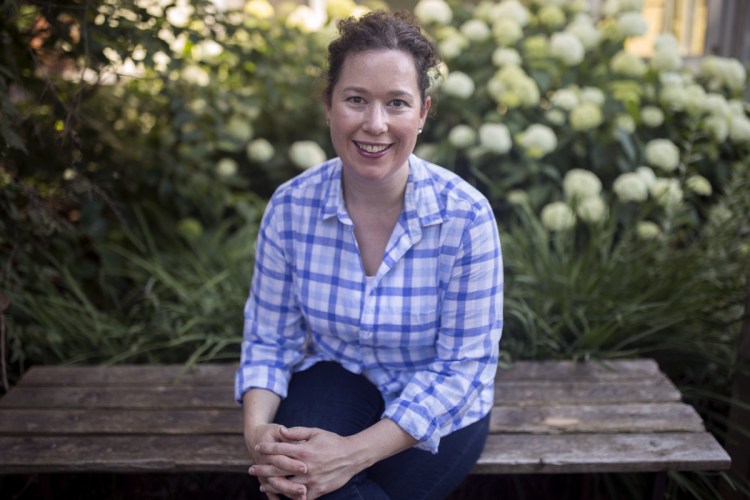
{"x": 375, "y": 311}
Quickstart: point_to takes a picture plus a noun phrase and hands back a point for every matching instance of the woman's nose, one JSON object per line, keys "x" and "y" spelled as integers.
{"x": 376, "y": 120}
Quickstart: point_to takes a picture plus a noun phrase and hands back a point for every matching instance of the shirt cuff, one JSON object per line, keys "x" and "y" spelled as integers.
{"x": 270, "y": 378}
{"x": 417, "y": 422}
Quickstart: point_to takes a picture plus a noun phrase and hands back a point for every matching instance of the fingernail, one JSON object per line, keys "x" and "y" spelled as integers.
{"x": 262, "y": 489}
{"x": 257, "y": 447}
{"x": 251, "y": 470}
{"x": 303, "y": 469}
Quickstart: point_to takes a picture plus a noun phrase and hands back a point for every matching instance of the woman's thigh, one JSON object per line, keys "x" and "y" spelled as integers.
{"x": 418, "y": 474}
{"x": 331, "y": 398}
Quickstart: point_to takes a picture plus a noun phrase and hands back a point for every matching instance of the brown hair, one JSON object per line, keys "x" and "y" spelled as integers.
{"x": 381, "y": 30}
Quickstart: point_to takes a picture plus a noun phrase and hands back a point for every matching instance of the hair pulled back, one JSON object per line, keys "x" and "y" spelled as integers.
{"x": 381, "y": 30}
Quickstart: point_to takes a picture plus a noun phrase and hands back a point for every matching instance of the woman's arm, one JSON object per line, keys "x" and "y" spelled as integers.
{"x": 259, "y": 409}
{"x": 331, "y": 459}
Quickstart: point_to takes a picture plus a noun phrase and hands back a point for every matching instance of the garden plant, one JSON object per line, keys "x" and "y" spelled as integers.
{"x": 139, "y": 140}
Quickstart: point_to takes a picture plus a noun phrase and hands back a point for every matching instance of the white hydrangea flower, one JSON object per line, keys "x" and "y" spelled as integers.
{"x": 495, "y": 137}
{"x": 458, "y": 84}
{"x": 196, "y": 75}
{"x": 259, "y": 9}
{"x": 305, "y": 19}
{"x": 206, "y": 51}
{"x": 667, "y": 192}
{"x": 666, "y": 53}
{"x": 699, "y": 185}
{"x": 663, "y": 154}
{"x": 506, "y": 32}
{"x": 226, "y": 167}
{"x": 179, "y": 15}
{"x": 625, "y": 122}
{"x": 695, "y": 98}
{"x": 566, "y": 99}
{"x": 476, "y": 30}
{"x": 260, "y": 150}
{"x": 551, "y": 16}
{"x": 652, "y": 116}
{"x": 717, "y": 126}
{"x": 306, "y": 154}
{"x": 512, "y": 87}
{"x": 586, "y": 116}
{"x": 503, "y": 56}
{"x": 723, "y": 71}
{"x": 580, "y": 183}
{"x": 517, "y": 197}
{"x": 647, "y": 175}
{"x": 452, "y": 46}
{"x": 555, "y": 116}
{"x": 567, "y": 48}
{"x": 239, "y": 128}
{"x": 739, "y": 129}
{"x": 716, "y": 104}
{"x": 537, "y": 140}
{"x": 629, "y": 187}
{"x": 736, "y": 107}
{"x": 594, "y": 95}
{"x": 510, "y": 9}
{"x": 462, "y": 136}
{"x": 583, "y": 28}
{"x": 433, "y": 11}
{"x": 592, "y": 209}
{"x": 673, "y": 97}
{"x": 631, "y": 24}
{"x": 648, "y": 230}
{"x": 558, "y": 216}
{"x": 628, "y": 64}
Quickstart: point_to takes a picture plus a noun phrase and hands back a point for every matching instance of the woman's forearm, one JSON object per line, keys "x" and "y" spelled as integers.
{"x": 380, "y": 441}
{"x": 259, "y": 407}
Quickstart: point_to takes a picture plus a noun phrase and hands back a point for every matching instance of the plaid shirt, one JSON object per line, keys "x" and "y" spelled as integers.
{"x": 425, "y": 329}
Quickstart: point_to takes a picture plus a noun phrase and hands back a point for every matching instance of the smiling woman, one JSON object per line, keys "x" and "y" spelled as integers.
{"x": 373, "y": 323}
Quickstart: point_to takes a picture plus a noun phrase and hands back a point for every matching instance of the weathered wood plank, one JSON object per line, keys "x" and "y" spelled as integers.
{"x": 218, "y": 374}
{"x": 595, "y": 419}
{"x": 134, "y": 375}
{"x": 125, "y": 397}
{"x": 27, "y": 421}
{"x": 670, "y": 417}
{"x": 503, "y": 454}
{"x": 594, "y": 453}
{"x": 204, "y": 396}
{"x": 592, "y": 371}
{"x": 566, "y": 392}
{"x": 175, "y": 453}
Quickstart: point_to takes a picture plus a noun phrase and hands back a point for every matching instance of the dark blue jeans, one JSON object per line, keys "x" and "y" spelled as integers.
{"x": 329, "y": 397}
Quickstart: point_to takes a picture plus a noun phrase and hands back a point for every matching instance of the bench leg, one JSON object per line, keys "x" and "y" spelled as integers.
{"x": 660, "y": 485}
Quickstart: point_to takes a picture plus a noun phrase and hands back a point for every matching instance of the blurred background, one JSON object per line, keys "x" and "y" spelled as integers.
{"x": 140, "y": 140}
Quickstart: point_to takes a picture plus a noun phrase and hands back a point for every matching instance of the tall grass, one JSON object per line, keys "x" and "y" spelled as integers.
{"x": 159, "y": 297}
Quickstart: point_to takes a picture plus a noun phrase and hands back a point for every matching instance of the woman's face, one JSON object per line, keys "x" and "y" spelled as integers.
{"x": 375, "y": 113}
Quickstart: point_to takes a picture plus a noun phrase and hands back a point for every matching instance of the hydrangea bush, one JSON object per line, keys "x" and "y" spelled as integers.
{"x": 539, "y": 97}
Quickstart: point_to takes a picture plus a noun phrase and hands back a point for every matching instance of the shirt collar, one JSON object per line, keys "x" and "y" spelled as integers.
{"x": 422, "y": 204}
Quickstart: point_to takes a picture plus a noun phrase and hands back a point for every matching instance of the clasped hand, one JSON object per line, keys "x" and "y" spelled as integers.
{"x": 301, "y": 463}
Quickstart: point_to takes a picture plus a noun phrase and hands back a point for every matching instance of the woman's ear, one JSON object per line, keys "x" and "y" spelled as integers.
{"x": 425, "y": 110}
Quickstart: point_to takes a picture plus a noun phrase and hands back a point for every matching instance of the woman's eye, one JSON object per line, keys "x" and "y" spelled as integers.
{"x": 356, "y": 100}
{"x": 398, "y": 103}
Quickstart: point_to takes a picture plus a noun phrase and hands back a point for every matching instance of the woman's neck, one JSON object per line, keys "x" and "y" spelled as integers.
{"x": 386, "y": 194}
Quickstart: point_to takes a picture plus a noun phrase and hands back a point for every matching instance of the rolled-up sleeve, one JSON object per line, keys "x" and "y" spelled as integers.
{"x": 443, "y": 398}
{"x": 274, "y": 330}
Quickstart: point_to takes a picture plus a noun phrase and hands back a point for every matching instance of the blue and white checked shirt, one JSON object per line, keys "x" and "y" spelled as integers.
{"x": 425, "y": 330}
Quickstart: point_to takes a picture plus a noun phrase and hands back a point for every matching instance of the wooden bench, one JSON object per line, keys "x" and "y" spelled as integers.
{"x": 549, "y": 417}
